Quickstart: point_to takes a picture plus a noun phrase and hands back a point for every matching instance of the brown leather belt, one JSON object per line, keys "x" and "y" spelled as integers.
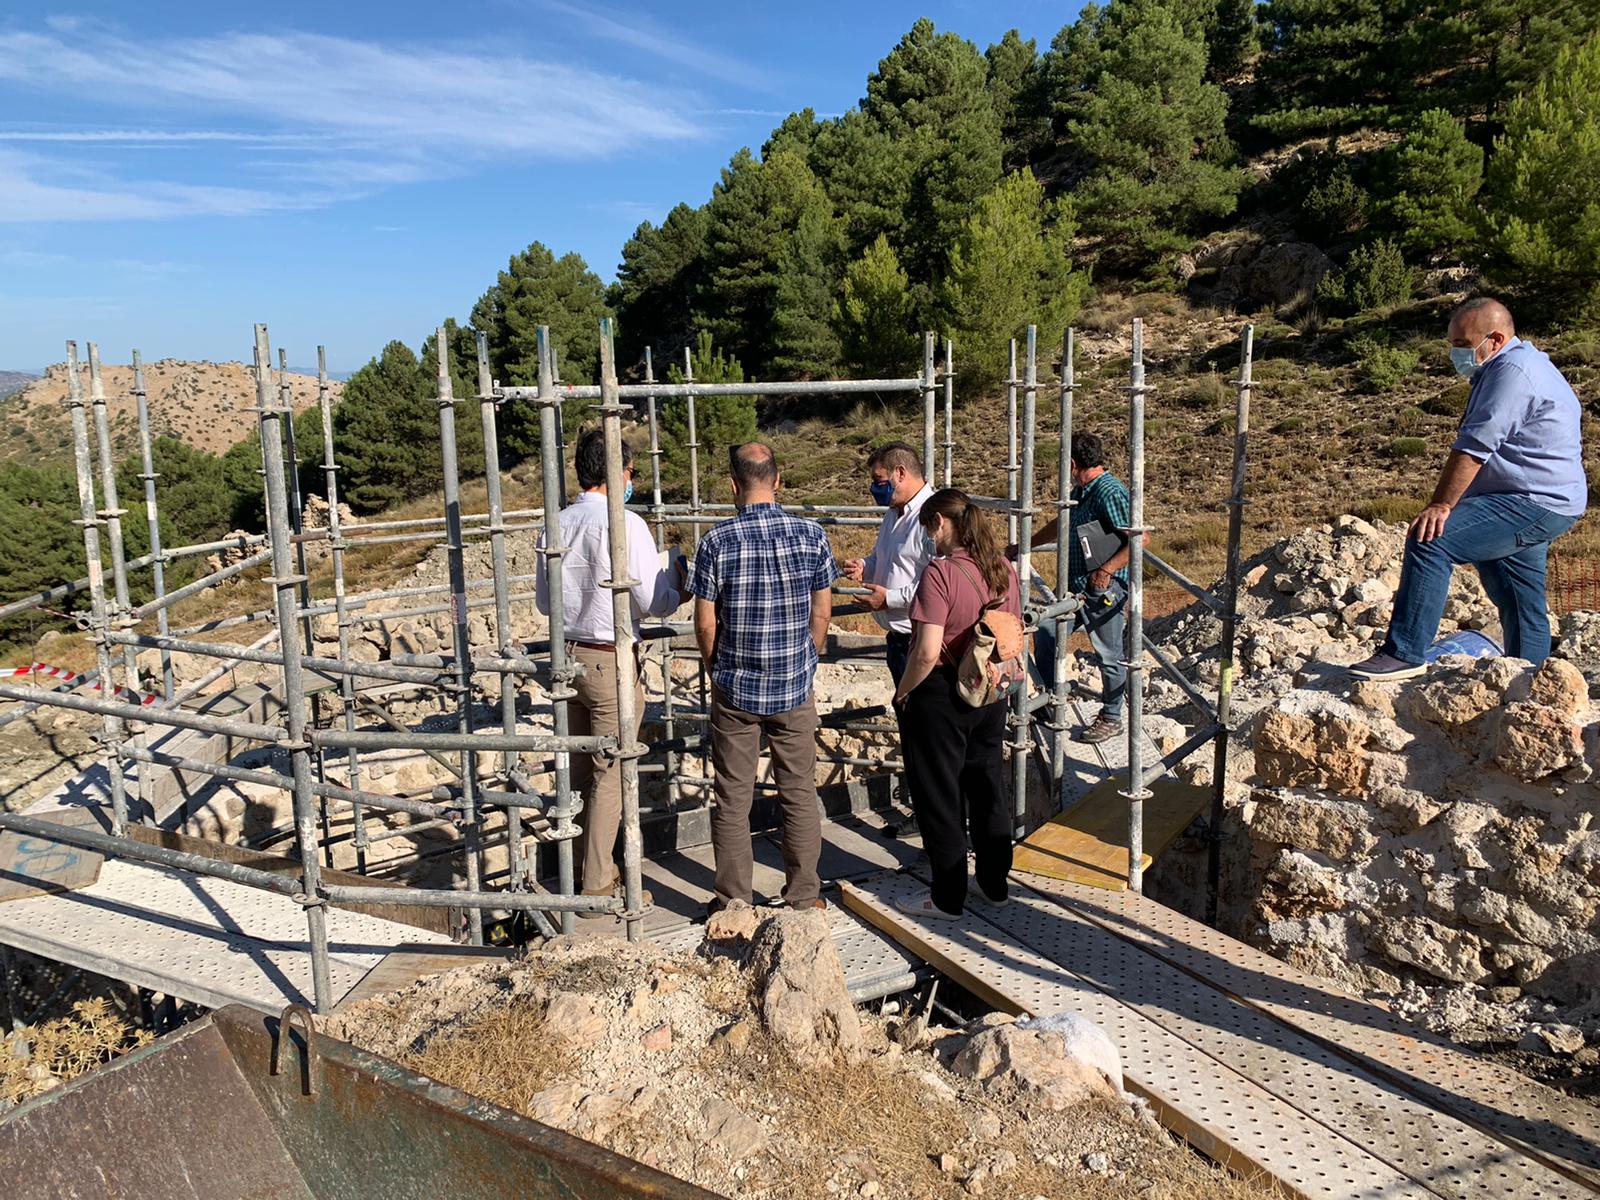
{"x": 603, "y": 647}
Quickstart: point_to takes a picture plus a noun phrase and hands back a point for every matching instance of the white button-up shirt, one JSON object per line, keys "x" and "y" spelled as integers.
{"x": 587, "y": 563}
{"x": 897, "y": 561}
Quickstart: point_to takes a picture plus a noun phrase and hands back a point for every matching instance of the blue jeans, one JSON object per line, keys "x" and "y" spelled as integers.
{"x": 1508, "y": 539}
{"x": 1104, "y": 618}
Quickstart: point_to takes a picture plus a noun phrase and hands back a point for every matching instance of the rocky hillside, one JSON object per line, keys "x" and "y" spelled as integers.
{"x": 205, "y": 404}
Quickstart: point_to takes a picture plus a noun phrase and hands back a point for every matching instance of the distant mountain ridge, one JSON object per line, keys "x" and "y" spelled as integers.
{"x": 205, "y": 404}
{"x": 15, "y": 381}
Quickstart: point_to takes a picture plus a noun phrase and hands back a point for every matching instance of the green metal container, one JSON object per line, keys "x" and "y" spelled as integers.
{"x": 239, "y": 1105}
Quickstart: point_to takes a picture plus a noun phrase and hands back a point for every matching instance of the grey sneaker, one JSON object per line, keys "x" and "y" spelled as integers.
{"x": 1386, "y": 667}
{"x": 1101, "y": 729}
{"x": 984, "y": 900}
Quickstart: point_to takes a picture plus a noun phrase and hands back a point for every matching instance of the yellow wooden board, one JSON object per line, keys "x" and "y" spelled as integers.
{"x": 1089, "y": 842}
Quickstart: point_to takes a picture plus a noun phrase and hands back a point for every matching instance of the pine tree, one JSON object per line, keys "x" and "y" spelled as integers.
{"x": 661, "y": 272}
{"x": 797, "y": 133}
{"x": 866, "y": 177}
{"x": 387, "y": 430}
{"x": 193, "y": 497}
{"x": 928, "y": 95}
{"x": 753, "y": 216}
{"x": 1334, "y": 64}
{"x": 1128, "y": 89}
{"x": 804, "y": 343}
{"x": 38, "y": 543}
{"x": 1436, "y": 175}
{"x": 1010, "y": 267}
{"x": 537, "y": 288}
{"x": 877, "y": 329}
{"x": 1015, "y": 83}
{"x": 720, "y": 421}
{"x": 1542, "y": 210}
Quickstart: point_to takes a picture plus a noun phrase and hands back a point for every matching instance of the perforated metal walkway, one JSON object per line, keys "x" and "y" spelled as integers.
{"x": 1265, "y": 1069}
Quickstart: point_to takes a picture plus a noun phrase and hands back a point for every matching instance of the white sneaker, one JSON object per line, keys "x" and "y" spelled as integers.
{"x": 921, "y": 905}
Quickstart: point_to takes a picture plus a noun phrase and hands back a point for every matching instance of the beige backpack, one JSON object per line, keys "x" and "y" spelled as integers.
{"x": 994, "y": 664}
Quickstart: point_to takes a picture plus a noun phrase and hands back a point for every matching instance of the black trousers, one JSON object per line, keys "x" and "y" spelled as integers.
{"x": 955, "y": 768}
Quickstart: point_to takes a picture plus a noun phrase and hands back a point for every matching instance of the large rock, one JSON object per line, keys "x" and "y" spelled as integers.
{"x": 1318, "y": 750}
{"x": 800, "y": 991}
{"x": 1337, "y": 829}
{"x": 1537, "y": 740}
{"x": 1033, "y": 1062}
{"x": 1445, "y": 953}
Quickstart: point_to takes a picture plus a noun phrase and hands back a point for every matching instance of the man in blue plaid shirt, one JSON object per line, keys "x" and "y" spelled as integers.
{"x": 1100, "y": 498}
{"x": 763, "y": 597}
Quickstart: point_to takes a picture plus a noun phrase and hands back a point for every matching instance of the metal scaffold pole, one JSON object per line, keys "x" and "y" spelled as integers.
{"x": 504, "y": 637}
{"x": 658, "y": 515}
{"x": 1230, "y": 621}
{"x": 562, "y": 671}
{"x": 1064, "y": 505}
{"x": 90, "y": 520}
{"x": 694, "y": 448}
{"x": 1136, "y": 793}
{"x": 460, "y": 632}
{"x": 1022, "y": 740}
{"x": 149, "y": 475}
{"x": 122, "y": 616}
{"x": 930, "y": 403}
{"x": 621, "y": 585}
{"x": 284, "y": 583}
{"x": 1012, "y": 466}
{"x": 949, "y": 413}
{"x": 336, "y": 548}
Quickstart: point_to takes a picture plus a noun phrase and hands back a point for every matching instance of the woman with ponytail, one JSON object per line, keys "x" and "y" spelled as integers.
{"x": 953, "y": 761}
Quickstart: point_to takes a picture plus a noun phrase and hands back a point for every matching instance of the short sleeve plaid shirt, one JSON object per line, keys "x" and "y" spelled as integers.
{"x": 760, "y": 569}
{"x": 1103, "y": 498}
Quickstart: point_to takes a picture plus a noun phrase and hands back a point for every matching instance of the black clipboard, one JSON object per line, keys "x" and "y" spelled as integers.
{"x": 1098, "y": 542}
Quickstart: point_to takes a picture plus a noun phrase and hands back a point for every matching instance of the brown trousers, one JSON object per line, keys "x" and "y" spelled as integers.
{"x": 735, "y": 749}
{"x": 597, "y": 776}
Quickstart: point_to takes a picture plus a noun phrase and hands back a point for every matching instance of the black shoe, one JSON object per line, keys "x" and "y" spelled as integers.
{"x": 905, "y": 827}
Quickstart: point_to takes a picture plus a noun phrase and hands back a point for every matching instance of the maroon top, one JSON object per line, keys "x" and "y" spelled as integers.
{"x": 950, "y": 594}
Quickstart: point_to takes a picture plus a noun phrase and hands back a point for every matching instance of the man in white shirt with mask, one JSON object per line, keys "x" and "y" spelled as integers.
{"x": 591, "y": 637}
{"x": 903, "y": 550}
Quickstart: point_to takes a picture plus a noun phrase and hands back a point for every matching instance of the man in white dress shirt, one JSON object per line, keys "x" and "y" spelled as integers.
{"x": 903, "y": 550}
{"x": 591, "y": 637}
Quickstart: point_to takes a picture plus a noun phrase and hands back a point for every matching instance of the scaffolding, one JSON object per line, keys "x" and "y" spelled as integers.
{"x": 507, "y": 794}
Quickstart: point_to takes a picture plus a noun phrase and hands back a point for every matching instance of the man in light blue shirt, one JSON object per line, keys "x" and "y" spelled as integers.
{"x": 1514, "y": 482}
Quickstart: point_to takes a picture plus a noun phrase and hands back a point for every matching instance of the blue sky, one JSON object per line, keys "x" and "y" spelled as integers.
{"x": 354, "y": 172}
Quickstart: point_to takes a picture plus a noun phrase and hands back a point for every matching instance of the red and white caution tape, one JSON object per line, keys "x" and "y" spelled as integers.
{"x": 69, "y": 679}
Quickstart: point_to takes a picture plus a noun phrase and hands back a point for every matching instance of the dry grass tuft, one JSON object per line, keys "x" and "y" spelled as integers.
{"x": 504, "y": 1056}
{"x": 65, "y": 1048}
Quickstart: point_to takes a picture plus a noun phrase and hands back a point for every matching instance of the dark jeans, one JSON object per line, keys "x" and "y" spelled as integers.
{"x": 1508, "y": 539}
{"x": 954, "y": 764}
{"x": 1104, "y": 617}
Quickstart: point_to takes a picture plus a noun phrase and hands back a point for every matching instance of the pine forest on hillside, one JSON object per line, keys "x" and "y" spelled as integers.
{"x": 1337, "y": 170}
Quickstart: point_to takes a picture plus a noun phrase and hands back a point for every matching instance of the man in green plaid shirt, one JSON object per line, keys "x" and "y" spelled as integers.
{"x": 1101, "y": 498}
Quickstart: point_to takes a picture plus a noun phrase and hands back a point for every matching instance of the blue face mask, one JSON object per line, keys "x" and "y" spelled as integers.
{"x": 1465, "y": 361}
{"x": 883, "y": 493}
{"x": 627, "y": 492}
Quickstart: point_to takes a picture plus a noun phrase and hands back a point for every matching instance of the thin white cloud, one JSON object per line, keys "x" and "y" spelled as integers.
{"x": 424, "y": 98}
{"x": 359, "y": 117}
{"x": 154, "y": 137}
{"x": 29, "y": 196}
{"x": 640, "y": 32}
